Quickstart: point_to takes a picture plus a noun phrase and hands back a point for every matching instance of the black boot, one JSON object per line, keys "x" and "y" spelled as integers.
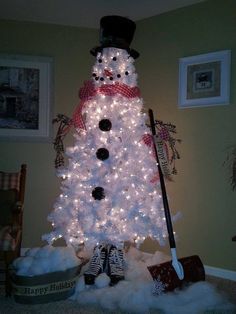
{"x": 96, "y": 265}
{"x": 115, "y": 265}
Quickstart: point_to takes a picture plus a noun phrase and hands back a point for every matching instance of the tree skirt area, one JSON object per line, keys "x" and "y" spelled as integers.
{"x": 132, "y": 295}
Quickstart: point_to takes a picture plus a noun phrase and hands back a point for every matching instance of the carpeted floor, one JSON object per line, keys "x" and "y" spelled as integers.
{"x": 9, "y": 306}
{"x": 226, "y": 287}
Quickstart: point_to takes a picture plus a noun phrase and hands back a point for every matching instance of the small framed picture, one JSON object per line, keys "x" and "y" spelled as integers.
{"x": 25, "y": 98}
{"x": 204, "y": 80}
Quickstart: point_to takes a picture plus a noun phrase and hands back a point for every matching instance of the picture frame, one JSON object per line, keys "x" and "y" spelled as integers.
{"x": 204, "y": 80}
{"x": 26, "y": 95}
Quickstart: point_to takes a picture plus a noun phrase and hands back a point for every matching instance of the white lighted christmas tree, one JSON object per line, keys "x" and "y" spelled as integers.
{"x": 109, "y": 192}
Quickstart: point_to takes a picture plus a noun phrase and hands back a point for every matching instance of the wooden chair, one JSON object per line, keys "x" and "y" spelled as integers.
{"x": 12, "y": 191}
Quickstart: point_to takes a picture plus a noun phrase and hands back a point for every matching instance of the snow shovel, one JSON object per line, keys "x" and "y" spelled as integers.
{"x": 176, "y": 273}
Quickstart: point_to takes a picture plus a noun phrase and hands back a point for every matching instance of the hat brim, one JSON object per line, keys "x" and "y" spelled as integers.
{"x": 133, "y": 53}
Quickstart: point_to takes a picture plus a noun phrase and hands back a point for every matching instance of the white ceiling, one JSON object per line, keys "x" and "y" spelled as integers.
{"x": 85, "y": 13}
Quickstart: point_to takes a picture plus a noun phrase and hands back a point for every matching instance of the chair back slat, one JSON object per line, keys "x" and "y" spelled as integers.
{"x": 22, "y": 183}
{"x": 9, "y": 181}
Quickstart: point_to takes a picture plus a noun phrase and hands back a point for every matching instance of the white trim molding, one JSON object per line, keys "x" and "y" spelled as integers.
{"x": 220, "y": 272}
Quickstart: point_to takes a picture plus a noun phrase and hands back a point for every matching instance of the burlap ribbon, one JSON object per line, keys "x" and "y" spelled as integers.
{"x": 162, "y": 151}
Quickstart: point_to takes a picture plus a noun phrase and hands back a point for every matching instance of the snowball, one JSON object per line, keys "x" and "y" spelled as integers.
{"x": 35, "y": 270}
{"x": 17, "y": 262}
{"x": 102, "y": 280}
{"x": 45, "y": 260}
{"x": 24, "y": 262}
{"x": 134, "y": 254}
{"x": 57, "y": 260}
{"x": 80, "y": 286}
{"x": 158, "y": 258}
{"x": 69, "y": 258}
{"x": 45, "y": 251}
{"x": 71, "y": 261}
{"x": 32, "y": 252}
{"x": 23, "y": 272}
{"x": 136, "y": 299}
{"x": 41, "y": 263}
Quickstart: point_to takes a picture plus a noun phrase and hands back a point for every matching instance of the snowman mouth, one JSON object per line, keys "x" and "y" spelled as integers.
{"x": 107, "y": 73}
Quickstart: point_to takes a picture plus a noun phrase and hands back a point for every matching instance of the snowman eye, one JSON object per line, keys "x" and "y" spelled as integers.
{"x": 114, "y": 58}
{"x": 126, "y": 73}
{"x": 118, "y": 75}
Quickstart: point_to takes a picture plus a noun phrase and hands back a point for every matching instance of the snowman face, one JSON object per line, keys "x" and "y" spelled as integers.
{"x": 114, "y": 65}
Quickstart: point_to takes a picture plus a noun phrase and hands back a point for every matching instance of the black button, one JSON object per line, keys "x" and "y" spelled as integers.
{"x": 105, "y": 125}
{"x": 98, "y": 193}
{"x": 102, "y": 153}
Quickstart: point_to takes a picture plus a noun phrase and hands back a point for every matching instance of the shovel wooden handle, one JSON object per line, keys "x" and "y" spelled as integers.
{"x": 163, "y": 188}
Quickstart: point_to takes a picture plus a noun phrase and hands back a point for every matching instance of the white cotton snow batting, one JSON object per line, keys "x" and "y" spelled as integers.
{"x": 102, "y": 281}
{"x": 137, "y": 298}
{"x": 197, "y": 298}
{"x": 44, "y": 251}
{"x": 23, "y": 264}
{"x": 45, "y": 260}
{"x": 80, "y": 286}
{"x": 135, "y": 294}
{"x": 70, "y": 259}
{"x": 32, "y": 252}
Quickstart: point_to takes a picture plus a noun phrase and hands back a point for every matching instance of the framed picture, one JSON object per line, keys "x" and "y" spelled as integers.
{"x": 204, "y": 80}
{"x": 25, "y": 97}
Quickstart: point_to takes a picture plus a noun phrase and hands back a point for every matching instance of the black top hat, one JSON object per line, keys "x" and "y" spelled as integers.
{"x": 116, "y": 31}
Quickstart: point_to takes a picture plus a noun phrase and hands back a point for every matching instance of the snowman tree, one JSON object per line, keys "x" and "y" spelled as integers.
{"x": 110, "y": 190}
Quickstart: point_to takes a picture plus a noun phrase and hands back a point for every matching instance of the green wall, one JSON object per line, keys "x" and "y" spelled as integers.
{"x": 69, "y": 47}
{"x": 201, "y": 191}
